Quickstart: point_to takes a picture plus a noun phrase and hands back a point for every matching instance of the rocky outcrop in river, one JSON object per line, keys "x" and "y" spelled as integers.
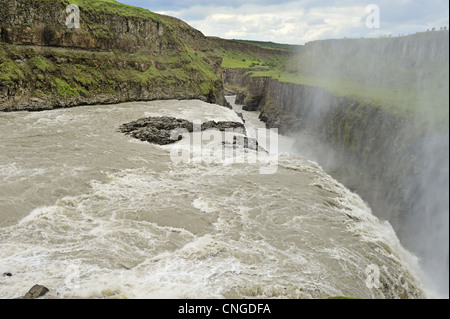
{"x": 166, "y": 130}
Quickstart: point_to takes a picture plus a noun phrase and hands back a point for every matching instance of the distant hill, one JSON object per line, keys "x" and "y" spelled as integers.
{"x": 273, "y": 45}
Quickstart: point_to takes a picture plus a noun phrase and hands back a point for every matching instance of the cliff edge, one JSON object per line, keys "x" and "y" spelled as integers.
{"x": 118, "y": 53}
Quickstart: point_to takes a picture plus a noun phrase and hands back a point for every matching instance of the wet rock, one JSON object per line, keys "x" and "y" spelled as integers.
{"x": 35, "y": 292}
{"x": 228, "y": 92}
{"x": 245, "y": 143}
{"x": 241, "y": 116}
{"x": 252, "y": 102}
{"x": 157, "y": 130}
{"x": 225, "y": 125}
{"x": 240, "y": 97}
{"x": 167, "y": 130}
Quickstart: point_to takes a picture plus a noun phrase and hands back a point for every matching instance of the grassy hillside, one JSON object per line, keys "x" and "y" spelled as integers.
{"x": 113, "y": 7}
{"x": 119, "y": 50}
{"x": 74, "y": 72}
{"x": 248, "y": 60}
{"x": 246, "y": 55}
{"x": 273, "y": 45}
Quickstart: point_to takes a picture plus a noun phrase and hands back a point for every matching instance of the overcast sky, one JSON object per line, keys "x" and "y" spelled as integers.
{"x": 301, "y": 21}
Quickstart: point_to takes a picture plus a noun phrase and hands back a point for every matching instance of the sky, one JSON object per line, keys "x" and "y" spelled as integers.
{"x": 302, "y": 21}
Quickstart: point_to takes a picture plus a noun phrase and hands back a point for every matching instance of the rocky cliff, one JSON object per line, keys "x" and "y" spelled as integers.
{"x": 396, "y": 160}
{"x": 119, "y": 53}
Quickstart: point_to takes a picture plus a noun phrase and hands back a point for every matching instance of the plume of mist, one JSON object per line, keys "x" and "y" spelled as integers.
{"x": 402, "y": 168}
{"x": 426, "y": 228}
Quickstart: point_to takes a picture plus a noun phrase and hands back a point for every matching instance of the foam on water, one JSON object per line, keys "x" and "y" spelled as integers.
{"x": 108, "y": 239}
{"x": 12, "y": 173}
{"x": 194, "y": 111}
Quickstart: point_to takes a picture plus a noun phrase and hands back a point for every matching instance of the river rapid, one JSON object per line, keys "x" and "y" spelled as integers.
{"x": 89, "y": 212}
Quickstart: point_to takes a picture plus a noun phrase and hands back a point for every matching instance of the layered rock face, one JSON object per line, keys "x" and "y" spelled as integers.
{"x": 397, "y": 162}
{"x": 43, "y": 23}
{"x": 129, "y": 29}
{"x": 118, "y": 54}
{"x": 376, "y": 153}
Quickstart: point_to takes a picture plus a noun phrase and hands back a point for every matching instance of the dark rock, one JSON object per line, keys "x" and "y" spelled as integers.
{"x": 158, "y": 130}
{"x": 241, "y": 116}
{"x": 222, "y": 126}
{"x": 250, "y": 108}
{"x": 251, "y": 103}
{"x": 240, "y": 97}
{"x": 7, "y": 274}
{"x": 167, "y": 130}
{"x": 246, "y": 143}
{"x": 234, "y": 78}
{"x": 35, "y": 292}
{"x": 228, "y": 92}
{"x": 227, "y": 104}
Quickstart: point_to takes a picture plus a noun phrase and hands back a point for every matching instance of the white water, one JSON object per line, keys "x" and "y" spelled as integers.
{"x": 91, "y": 213}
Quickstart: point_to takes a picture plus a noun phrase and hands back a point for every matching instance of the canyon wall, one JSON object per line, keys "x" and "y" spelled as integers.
{"x": 118, "y": 54}
{"x": 397, "y": 162}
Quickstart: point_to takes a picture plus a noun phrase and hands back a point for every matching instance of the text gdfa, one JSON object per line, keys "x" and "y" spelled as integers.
{"x": 246, "y": 308}
{"x": 226, "y": 308}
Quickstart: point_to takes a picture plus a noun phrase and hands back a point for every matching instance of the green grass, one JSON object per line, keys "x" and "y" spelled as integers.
{"x": 42, "y": 64}
{"x": 65, "y": 89}
{"x": 114, "y": 7}
{"x": 273, "y": 45}
{"x": 11, "y": 71}
{"x": 240, "y": 64}
{"x": 249, "y": 60}
{"x": 199, "y": 60}
{"x": 105, "y": 6}
{"x": 101, "y": 31}
{"x": 68, "y": 73}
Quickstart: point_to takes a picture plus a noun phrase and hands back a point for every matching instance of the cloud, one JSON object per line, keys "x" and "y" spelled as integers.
{"x": 176, "y": 5}
{"x": 301, "y": 21}
{"x": 291, "y": 22}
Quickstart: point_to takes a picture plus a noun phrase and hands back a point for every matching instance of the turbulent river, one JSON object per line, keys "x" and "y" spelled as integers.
{"x": 89, "y": 212}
